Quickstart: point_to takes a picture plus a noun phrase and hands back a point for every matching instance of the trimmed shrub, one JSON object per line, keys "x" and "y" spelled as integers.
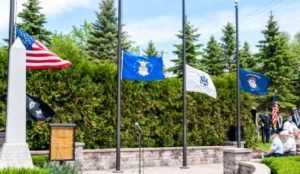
{"x": 24, "y": 171}
{"x": 283, "y": 165}
{"x": 85, "y": 94}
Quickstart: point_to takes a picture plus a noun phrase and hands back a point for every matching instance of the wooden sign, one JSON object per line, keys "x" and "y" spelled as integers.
{"x": 62, "y": 142}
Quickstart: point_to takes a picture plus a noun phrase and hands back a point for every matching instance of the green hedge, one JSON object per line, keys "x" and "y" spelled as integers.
{"x": 85, "y": 94}
{"x": 283, "y": 165}
{"x": 24, "y": 171}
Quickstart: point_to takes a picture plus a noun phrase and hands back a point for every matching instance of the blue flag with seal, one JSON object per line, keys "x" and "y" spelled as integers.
{"x": 142, "y": 68}
{"x": 254, "y": 82}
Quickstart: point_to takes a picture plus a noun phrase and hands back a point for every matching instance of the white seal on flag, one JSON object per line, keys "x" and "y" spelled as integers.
{"x": 252, "y": 82}
{"x": 143, "y": 70}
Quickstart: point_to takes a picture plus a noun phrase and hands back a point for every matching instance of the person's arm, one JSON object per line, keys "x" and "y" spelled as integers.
{"x": 272, "y": 148}
{"x": 271, "y": 151}
{"x": 289, "y": 146}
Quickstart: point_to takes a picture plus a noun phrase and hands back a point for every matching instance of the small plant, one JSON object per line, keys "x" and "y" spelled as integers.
{"x": 56, "y": 168}
{"x": 39, "y": 161}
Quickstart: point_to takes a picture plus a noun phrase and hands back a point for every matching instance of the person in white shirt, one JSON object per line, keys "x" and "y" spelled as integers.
{"x": 276, "y": 148}
{"x": 289, "y": 144}
{"x": 289, "y": 125}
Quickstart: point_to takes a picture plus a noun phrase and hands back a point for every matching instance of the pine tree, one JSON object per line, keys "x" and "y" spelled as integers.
{"x": 295, "y": 48}
{"x": 151, "y": 50}
{"x": 277, "y": 62}
{"x": 33, "y": 21}
{"x": 228, "y": 47}
{"x": 213, "y": 58}
{"x": 247, "y": 60}
{"x": 103, "y": 40}
{"x": 80, "y": 35}
{"x": 192, "y": 50}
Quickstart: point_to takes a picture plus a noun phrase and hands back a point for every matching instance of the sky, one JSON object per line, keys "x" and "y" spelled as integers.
{"x": 161, "y": 20}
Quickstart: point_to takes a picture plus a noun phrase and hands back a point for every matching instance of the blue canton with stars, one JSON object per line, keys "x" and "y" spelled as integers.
{"x": 26, "y": 39}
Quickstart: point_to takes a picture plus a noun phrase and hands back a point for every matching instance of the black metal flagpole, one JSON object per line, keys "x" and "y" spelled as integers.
{"x": 11, "y": 35}
{"x": 118, "y": 151}
{"x": 184, "y": 149}
{"x": 238, "y": 76}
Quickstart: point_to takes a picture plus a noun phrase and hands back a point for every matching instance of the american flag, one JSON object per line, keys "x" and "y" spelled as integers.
{"x": 38, "y": 56}
{"x": 275, "y": 112}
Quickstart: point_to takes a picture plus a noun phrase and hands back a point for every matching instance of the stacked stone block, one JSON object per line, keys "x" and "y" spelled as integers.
{"x": 232, "y": 158}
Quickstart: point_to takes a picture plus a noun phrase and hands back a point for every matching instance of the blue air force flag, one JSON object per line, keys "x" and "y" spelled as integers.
{"x": 142, "y": 68}
{"x": 253, "y": 82}
{"x": 199, "y": 81}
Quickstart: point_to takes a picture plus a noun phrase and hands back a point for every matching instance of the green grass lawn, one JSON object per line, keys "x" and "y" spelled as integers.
{"x": 261, "y": 146}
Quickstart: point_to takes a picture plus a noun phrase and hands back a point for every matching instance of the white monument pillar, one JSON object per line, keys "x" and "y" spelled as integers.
{"x": 15, "y": 151}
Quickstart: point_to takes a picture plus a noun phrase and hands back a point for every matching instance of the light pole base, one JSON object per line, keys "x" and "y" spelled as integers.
{"x": 184, "y": 167}
{"x": 118, "y": 171}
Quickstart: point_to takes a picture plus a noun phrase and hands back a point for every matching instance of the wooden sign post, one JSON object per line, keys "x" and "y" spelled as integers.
{"x": 62, "y": 142}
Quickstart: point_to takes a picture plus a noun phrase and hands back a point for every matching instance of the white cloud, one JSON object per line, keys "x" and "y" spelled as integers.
{"x": 56, "y": 7}
{"x": 161, "y": 29}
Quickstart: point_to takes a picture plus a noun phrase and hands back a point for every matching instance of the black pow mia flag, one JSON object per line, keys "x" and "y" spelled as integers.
{"x": 38, "y": 110}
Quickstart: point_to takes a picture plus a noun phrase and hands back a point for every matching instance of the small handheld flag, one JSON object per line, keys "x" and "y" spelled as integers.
{"x": 38, "y": 56}
{"x": 275, "y": 111}
{"x": 199, "y": 81}
{"x": 253, "y": 82}
{"x": 142, "y": 68}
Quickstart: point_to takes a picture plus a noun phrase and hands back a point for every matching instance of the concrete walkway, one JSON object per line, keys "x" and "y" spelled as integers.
{"x": 199, "y": 169}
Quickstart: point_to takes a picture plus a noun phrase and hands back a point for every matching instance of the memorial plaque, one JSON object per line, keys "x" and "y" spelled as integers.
{"x": 62, "y": 142}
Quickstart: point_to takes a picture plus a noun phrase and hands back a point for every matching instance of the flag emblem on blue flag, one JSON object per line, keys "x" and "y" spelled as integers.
{"x": 142, "y": 68}
{"x": 254, "y": 82}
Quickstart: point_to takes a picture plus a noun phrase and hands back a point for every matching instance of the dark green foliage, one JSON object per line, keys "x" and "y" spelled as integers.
{"x": 151, "y": 50}
{"x": 3, "y": 84}
{"x": 103, "y": 38}
{"x": 228, "y": 47}
{"x": 56, "y": 168}
{"x": 277, "y": 63}
{"x": 39, "y": 161}
{"x": 24, "y": 171}
{"x": 247, "y": 60}
{"x": 193, "y": 52}
{"x": 102, "y": 43}
{"x": 85, "y": 94}
{"x": 283, "y": 165}
{"x": 295, "y": 48}
{"x": 33, "y": 21}
{"x": 213, "y": 60}
{"x": 80, "y": 36}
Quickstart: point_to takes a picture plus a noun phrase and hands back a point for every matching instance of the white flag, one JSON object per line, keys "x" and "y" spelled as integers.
{"x": 199, "y": 81}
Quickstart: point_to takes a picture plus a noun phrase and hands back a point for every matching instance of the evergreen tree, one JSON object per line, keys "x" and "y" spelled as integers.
{"x": 192, "y": 50}
{"x": 103, "y": 40}
{"x": 228, "y": 47}
{"x": 247, "y": 60}
{"x": 151, "y": 50}
{"x": 277, "y": 62}
{"x": 213, "y": 58}
{"x": 33, "y": 21}
{"x": 295, "y": 48}
{"x": 80, "y": 35}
